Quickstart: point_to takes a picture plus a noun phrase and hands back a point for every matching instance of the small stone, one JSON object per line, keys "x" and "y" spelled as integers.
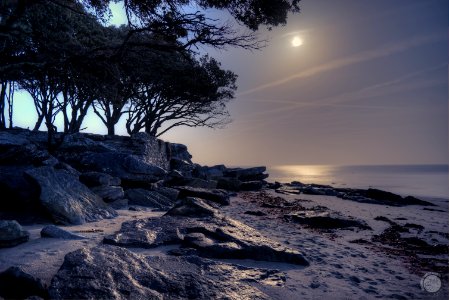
{"x": 52, "y": 231}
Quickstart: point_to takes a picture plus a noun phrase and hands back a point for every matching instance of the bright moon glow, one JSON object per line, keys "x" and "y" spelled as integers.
{"x": 297, "y": 41}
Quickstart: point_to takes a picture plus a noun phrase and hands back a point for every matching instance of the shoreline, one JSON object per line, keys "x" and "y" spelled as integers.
{"x": 330, "y": 272}
{"x": 422, "y": 180}
{"x": 147, "y": 211}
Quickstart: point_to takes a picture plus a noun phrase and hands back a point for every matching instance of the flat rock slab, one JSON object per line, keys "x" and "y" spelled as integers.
{"x": 12, "y": 234}
{"x": 214, "y": 195}
{"x": 194, "y": 224}
{"x": 325, "y": 220}
{"x": 68, "y": 200}
{"x": 109, "y": 272}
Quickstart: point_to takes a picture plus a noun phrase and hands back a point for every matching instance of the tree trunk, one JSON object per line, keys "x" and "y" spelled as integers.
{"x": 2, "y": 105}
{"x": 111, "y": 129}
{"x": 38, "y": 124}
{"x": 11, "y": 104}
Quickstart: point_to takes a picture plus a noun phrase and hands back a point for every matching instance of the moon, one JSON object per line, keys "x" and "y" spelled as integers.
{"x": 297, "y": 41}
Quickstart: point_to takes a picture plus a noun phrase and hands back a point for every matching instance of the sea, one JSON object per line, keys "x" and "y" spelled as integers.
{"x": 415, "y": 180}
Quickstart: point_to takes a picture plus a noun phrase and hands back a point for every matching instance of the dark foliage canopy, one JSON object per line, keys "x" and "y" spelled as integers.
{"x": 63, "y": 55}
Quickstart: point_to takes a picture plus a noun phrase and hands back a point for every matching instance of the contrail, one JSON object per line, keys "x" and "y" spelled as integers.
{"x": 358, "y": 58}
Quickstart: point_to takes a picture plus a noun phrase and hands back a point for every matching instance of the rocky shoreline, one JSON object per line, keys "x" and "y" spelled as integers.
{"x": 197, "y": 219}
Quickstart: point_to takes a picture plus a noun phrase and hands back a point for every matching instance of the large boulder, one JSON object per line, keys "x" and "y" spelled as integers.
{"x": 115, "y": 273}
{"x": 12, "y": 234}
{"x": 214, "y": 195}
{"x": 148, "y": 198}
{"x": 66, "y": 199}
{"x": 16, "y": 284}
{"x": 194, "y": 224}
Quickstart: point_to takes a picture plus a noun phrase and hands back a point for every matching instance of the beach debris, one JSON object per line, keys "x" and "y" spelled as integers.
{"x": 92, "y": 230}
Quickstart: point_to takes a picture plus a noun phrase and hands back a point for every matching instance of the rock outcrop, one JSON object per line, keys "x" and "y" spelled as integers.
{"x": 109, "y": 272}
{"x": 132, "y": 171}
{"x": 373, "y": 196}
{"x": 194, "y": 224}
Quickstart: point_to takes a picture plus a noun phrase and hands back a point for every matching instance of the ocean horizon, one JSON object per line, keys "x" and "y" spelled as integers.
{"x": 429, "y": 180}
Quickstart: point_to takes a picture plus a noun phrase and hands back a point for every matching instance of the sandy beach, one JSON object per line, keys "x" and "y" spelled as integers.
{"x": 339, "y": 267}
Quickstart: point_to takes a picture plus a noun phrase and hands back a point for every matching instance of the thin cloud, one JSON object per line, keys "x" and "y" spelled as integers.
{"x": 382, "y": 89}
{"x": 355, "y": 59}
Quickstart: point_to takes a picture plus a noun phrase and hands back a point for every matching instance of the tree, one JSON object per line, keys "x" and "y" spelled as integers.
{"x": 61, "y": 44}
{"x": 170, "y": 20}
{"x": 69, "y": 62}
{"x": 187, "y": 93}
{"x": 7, "y": 89}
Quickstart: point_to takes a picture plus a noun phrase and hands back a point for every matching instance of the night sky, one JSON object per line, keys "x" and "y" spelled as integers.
{"x": 368, "y": 85}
